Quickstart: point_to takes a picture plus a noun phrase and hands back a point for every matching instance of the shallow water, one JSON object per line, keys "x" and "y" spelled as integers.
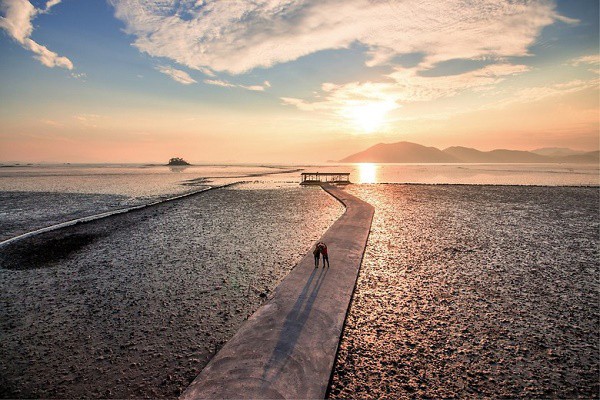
{"x": 33, "y": 197}
{"x": 39, "y": 196}
{"x": 475, "y": 291}
{"x": 133, "y": 181}
{"x": 472, "y": 174}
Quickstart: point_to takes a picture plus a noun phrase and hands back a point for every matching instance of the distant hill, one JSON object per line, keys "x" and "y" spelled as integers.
{"x": 401, "y": 152}
{"x": 406, "y": 152}
{"x": 466, "y": 154}
{"x": 592, "y": 157}
{"x": 514, "y": 156}
{"x": 556, "y": 151}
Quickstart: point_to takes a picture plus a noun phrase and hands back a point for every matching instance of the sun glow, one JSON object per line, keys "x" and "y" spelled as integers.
{"x": 369, "y": 117}
{"x": 367, "y": 173}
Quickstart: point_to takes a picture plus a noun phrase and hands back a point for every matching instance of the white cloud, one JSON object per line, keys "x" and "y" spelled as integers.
{"x": 51, "y": 3}
{"x": 218, "y": 82}
{"x": 237, "y": 36}
{"x": 404, "y": 86}
{"x": 16, "y": 20}
{"x": 591, "y": 61}
{"x": 79, "y": 75}
{"x": 177, "y": 74}
{"x": 255, "y": 88}
{"x": 537, "y": 93}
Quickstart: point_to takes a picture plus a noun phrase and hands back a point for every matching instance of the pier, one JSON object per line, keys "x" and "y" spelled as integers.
{"x": 318, "y": 178}
{"x": 287, "y": 348}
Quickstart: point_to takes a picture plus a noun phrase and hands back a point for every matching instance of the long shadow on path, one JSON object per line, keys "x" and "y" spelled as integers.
{"x": 292, "y": 327}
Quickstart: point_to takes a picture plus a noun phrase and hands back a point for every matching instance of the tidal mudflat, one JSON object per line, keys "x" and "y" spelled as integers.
{"x": 135, "y": 305}
{"x": 475, "y": 291}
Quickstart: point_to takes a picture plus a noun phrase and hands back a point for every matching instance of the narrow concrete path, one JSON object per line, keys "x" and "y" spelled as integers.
{"x": 287, "y": 348}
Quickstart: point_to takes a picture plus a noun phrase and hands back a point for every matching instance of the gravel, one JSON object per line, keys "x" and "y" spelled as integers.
{"x": 135, "y": 305}
{"x": 475, "y": 291}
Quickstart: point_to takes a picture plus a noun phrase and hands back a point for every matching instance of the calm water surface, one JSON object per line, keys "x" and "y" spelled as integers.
{"x": 36, "y": 196}
{"x": 476, "y": 174}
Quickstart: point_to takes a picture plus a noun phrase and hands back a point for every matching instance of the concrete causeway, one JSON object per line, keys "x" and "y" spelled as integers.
{"x": 287, "y": 348}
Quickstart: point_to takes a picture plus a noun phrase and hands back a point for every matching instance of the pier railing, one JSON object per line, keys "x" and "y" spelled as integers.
{"x": 316, "y": 178}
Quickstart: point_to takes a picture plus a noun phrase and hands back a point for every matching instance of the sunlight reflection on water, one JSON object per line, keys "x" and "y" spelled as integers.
{"x": 367, "y": 173}
{"x": 472, "y": 174}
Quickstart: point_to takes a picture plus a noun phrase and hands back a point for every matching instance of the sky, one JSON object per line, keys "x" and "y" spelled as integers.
{"x": 292, "y": 81}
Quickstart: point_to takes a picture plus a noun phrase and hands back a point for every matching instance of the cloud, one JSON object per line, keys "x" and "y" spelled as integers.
{"x": 16, "y": 20}
{"x": 51, "y": 3}
{"x": 177, "y": 74}
{"x": 51, "y": 122}
{"x": 591, "y": 61}
{"x": 218, "y": 82}
{"x": 256, "y": 88}
{"x": 238, "y": 36}
{"x": 88, "y": 120}
{"x": 404, "y": 86}
{"x": 537, "y": 93}
{"x": 79, "y": 75}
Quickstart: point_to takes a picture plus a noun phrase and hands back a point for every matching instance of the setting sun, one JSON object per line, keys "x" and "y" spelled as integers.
{"x": 177, "y": 175}
{"x": 369, "y": 117}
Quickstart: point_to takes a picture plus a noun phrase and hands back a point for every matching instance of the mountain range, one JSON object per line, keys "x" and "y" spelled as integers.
{"x": 407, "y": 152}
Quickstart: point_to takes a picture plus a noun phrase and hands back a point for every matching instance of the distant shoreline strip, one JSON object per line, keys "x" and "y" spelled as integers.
{"x": 107, "y": 214}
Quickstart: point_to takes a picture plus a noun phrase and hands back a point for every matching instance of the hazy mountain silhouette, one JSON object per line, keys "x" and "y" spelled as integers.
{"x": 557, "y": 151}
{"x": 468, "y": 155}
{"x": 591, "y": 157}
{"x": 406, "y": 152}
{"x": 401, "y": 152}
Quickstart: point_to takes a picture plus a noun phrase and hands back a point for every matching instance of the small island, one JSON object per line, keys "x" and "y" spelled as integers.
{"x": 178, "y": 161}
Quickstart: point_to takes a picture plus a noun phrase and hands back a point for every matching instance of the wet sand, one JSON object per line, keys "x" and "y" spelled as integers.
{"x": 475, "y": 291}
{"x": 25, "y": 211}
{"x": 134, "y": 305}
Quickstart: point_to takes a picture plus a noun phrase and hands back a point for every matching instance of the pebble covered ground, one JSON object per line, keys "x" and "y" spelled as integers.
{"x": 475, "y": 291}
{"x": 134, "y": 306}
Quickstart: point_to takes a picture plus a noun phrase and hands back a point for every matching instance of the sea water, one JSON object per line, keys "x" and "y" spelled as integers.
{"x": 36, "y": 196}
{"x": 472, "y": 174}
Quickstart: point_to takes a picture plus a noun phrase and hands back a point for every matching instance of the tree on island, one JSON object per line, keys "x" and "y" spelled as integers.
{"x": 178, "y": 161}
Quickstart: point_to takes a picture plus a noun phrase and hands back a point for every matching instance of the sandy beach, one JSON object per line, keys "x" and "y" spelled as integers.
{"x": 475, "y": 291}
{"x": 135, "y": 305}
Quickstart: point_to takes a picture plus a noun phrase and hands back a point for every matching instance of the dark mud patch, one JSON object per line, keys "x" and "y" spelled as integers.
{"x": 42, "y": 251}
